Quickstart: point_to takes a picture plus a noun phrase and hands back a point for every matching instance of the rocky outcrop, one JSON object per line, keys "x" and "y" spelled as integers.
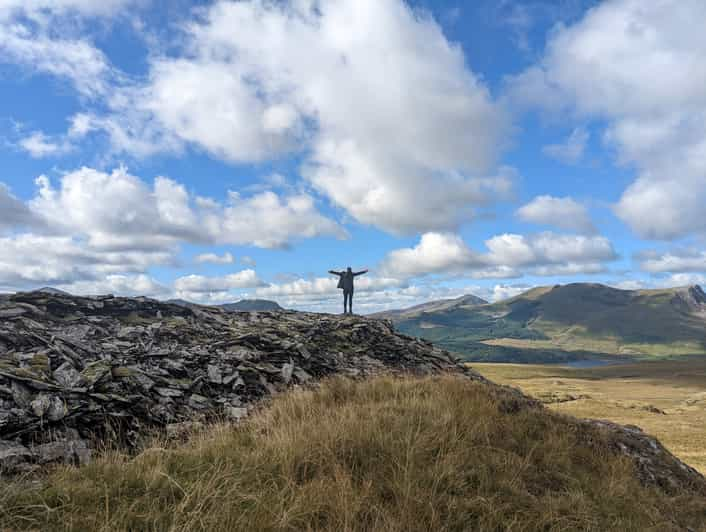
{"x": 73, "y": 368}
{"x": 654, "y": 464}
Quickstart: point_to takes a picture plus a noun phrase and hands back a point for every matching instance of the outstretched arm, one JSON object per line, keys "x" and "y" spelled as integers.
{"x": 332, "y": 272}
{"x": 361, "y": 272}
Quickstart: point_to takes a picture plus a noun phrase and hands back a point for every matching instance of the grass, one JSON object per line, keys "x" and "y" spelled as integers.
{"x": 388, "y": 454}
{"x": 667, "y": 398}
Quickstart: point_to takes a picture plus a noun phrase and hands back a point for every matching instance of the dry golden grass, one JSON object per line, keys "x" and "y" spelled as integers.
{"x": 387, "y": 454}
{"x": 666, "y": 398}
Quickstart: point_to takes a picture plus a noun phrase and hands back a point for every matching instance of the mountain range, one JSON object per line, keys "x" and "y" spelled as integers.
{"x": 564, "y": 322}
{"x": 244, "y": 305}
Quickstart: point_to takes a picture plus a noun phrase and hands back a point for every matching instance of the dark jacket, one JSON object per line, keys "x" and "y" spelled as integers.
{"x": 345, "y": 279}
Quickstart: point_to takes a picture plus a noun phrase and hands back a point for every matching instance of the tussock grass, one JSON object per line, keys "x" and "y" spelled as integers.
{"x": 666, "y": 398}
{"x": 386, "y": 454}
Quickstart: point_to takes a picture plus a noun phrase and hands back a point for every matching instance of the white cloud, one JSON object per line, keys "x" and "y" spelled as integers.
{"x": 213, "y": 258}
{"x": 565, "y": 213}
{"x": 503, "y": 291}
{"x": 610, "y": 66}
{"x": 571, "y": 151}
{"x": 162, "y": 215}
{"x": 327, "y": 286}
{"x": 123, "y": 285}
{"x": 76, "y": 60}
{"x": 96, "y": 224}
{"x": 38, "y": 9}
{"x": 39, "y": 145}
{"x": 413, "y": 151}
{"x": 267, "y": 220}
{"x": 676, "y": 261}
{"x": 435, "y": 253}
{"x": 541, "y": 254}
{"x": 201, "y": 284}
{"x": 49, "y": 36}
{"x": 31, "y": 260}
{"x": 684, "y": 279}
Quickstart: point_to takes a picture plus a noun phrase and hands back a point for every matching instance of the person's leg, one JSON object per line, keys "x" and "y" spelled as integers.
{"x": 346, "y": 295}
{"x": 350, "y": 302}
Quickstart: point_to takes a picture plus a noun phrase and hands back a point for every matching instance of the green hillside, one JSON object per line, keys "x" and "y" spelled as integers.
{"x": 568, "y": 322}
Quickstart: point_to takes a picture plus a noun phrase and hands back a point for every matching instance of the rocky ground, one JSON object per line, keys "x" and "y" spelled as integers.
{"x": 74, "y": 369}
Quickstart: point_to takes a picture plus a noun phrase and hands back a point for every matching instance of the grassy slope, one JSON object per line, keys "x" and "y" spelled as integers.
{"x": 567, "y": 322}
{"x": 665, "y": 398}
{"x": 386, "y": 454}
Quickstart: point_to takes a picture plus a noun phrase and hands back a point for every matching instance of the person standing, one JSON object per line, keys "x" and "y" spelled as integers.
{"x": 345, "y": 282}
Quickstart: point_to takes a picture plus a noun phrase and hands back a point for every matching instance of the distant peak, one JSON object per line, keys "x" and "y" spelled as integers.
{"x": 50, "y": 290}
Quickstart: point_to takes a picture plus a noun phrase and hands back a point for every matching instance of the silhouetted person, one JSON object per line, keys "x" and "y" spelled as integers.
{"x": 345, "y": 281}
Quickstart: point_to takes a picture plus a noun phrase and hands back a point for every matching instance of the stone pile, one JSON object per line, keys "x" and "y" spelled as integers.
{"x": 74, "y": 368}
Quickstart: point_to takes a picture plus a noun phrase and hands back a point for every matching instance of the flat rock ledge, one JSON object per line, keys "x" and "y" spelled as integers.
{"x": 74, "y": 370}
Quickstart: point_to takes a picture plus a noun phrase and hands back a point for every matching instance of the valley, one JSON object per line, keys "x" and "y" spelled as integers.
{"x": 666, "y": 398}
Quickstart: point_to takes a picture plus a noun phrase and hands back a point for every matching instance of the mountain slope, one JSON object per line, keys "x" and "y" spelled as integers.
{"x": 571, "y": 321}
{"x": 244, "y": 305}
{"x": 431, "y": 306}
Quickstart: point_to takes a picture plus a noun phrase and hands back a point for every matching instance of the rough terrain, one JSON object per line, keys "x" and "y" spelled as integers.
{"x": 73, "y": 368}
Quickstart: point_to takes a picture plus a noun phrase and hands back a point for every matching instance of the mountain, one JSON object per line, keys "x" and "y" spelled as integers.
{"x": 50, "y": 290}
{"x": 246, "y": 305}
{"x": 430, "y": 306}
{"x": 570, "y": 322}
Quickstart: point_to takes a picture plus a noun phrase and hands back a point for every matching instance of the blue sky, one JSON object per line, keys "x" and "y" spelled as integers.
{"x": 218, "y": 150}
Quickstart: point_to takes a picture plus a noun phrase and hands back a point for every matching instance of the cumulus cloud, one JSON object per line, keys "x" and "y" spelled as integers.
{"x": 565, "y": 213}
{"x": 501, "y": 292}
{"x": 213, "y": 258}
{"x": 95, "y": 224}
{"x": 571, "y": 151}
{"x": 435, "y": 253}
{"x": 675, "y": 261}
{"x": 608, "y": 66}
{"x": 684, "y": 279}
{"x": 31, "y": 260}
{"x": 409, "y": 152}
{"x": 119, "y": 210}
{"x": 327, "y": 286}
{"x": 200, "y": 283}
{"x": 508, "y": 254}
{"x": 124, "y": 285}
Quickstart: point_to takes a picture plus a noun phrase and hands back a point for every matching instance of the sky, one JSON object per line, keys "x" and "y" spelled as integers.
{"x": 220, "y": 150}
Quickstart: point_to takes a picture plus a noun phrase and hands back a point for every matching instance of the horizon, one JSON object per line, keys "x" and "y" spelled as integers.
{"x": 215, "y": 151}
{"x": 171, "y": 300}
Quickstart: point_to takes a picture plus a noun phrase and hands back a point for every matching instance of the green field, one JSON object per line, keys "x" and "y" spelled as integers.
{"x": 666, "y": 398}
